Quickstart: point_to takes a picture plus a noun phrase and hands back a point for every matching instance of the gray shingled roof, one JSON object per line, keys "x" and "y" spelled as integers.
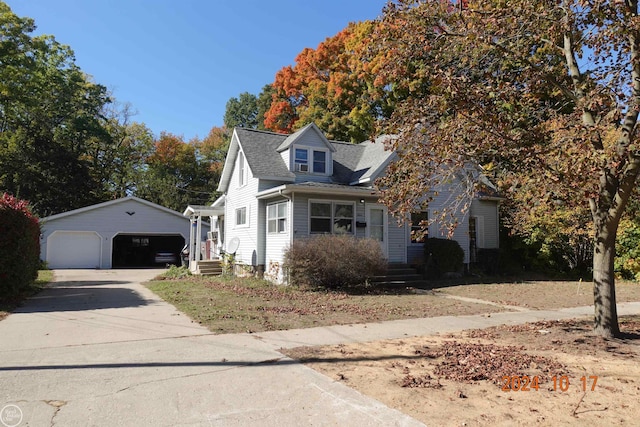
{"x": 351, "y": 162}
{"x": 354, "y": 163}
{"x": 260, "y": 150}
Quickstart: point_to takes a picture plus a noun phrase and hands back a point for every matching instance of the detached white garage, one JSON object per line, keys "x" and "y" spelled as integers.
{"x": 127, "y": 232}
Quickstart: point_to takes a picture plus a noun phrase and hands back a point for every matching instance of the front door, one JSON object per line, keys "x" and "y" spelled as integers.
{"x": 377, "y": 226}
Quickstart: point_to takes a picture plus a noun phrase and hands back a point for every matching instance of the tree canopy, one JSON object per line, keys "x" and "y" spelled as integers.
{"x": 332, "y": 86}
{"x": 543, "y": 93}
{"x": 49, "y": 110}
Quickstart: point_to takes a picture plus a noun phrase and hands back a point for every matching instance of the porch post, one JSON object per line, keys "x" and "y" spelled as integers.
{"x": 192, "y": 239}
{"x": 199, "y": 237}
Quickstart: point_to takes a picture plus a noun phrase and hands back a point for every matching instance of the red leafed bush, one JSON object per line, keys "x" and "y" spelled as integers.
{"x": 333, "y": 261}
{"x": 19, "y": 246}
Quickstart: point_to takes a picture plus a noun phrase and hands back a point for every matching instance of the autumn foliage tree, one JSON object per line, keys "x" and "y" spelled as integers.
{"x": 332, "y": 86}
{"x": 177, "y": 174}
{"x": 545, "y": 93}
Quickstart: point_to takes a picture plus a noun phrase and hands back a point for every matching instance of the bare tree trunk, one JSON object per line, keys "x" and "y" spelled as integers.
{"x": 604, "y": 291}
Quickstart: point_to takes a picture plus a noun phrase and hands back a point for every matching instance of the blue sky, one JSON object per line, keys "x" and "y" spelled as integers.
{"x": 177, "y": 62}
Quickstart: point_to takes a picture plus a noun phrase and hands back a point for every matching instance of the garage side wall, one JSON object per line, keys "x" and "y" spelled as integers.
{"x": 128, "y": 217}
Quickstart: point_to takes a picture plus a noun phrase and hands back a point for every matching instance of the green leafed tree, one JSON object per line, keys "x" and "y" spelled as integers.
{"x": 545, "y": 93}
{"x": 49, "y": 110}
{"x": 242, "y": 111}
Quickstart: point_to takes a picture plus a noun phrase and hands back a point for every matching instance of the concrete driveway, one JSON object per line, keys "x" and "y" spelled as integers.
{"x": 99, "y": 349}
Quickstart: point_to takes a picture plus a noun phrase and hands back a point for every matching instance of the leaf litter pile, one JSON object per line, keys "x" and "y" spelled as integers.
{"x": 467, "y": 362}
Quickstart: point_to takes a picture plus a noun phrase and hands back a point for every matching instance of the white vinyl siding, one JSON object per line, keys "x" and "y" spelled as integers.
{"x": 249, "y": 249}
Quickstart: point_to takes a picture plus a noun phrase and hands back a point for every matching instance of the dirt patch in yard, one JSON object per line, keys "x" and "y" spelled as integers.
{"x": 542, "y": 373}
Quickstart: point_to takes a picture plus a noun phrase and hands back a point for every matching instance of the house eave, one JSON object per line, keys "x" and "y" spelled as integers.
{"x": 295, "y": 188}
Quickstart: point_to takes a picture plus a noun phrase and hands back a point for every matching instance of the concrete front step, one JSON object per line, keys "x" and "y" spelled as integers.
{"x": 399, "y": 275}
{"x": 210, "y": 268}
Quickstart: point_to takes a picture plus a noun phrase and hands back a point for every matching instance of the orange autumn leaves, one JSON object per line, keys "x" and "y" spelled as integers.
{"x": 332, "y": 85}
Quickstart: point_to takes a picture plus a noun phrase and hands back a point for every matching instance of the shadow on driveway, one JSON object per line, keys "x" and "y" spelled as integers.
{"x": 82, "y": 295}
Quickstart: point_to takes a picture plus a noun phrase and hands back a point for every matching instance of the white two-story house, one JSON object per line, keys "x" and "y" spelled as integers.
{"x": 277, "y": 188}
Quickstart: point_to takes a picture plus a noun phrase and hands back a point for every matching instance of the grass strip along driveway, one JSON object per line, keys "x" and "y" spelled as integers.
{"x": 231, "y": 305}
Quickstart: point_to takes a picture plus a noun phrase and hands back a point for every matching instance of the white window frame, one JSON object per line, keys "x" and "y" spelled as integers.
{"x": 300, "y": 165}
{"x": 333, "y": 218}
{"x": 245, "y": 224}
{"x": 280, "y": 221}
{"x": 308, "y": 166}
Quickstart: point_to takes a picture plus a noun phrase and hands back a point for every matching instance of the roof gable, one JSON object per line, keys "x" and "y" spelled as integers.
{"x": 260, "y": 151}
{"x": 297, "y": 136}
{"x": 109, "y": 203}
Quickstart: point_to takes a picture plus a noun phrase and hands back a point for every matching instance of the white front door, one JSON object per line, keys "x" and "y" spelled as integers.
{"x": 377, "y": 226}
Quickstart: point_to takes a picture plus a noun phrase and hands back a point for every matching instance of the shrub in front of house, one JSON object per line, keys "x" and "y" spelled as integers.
{"x": 333, "y": 261}
{"x": 442, "y": 256}
{"x": 19, "y": 246}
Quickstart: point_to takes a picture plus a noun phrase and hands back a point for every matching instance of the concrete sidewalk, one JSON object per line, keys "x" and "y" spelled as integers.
{"x": 99, "y": 349}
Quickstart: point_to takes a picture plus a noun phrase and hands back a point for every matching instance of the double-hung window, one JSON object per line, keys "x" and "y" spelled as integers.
{"x": 241, "y": 216}
{"x": 277, "y": 218}
{"x": 331, "y": 217}
{"x": 319, "y": 162}
{"x": 307, "y": 160}
{"x": 302, "y": 160}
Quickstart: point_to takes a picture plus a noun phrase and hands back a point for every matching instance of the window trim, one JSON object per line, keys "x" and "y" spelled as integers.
{"x": 332, "y": 218}
{"x": 301, "y": 162}
{"x": 310, "y": 162}
{"x": 245, "y": 224}
{"x": 277, "y": 218}
{"x": 324, "y": 162}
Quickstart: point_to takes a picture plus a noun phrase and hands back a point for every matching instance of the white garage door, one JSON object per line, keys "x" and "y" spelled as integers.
{"x": 74, "y": 249}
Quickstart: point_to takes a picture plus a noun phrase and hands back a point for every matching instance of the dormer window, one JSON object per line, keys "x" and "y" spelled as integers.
{"x": 319, "y": 162}
{"x": 302, "y": 160}
{"x": 308, "y": 160}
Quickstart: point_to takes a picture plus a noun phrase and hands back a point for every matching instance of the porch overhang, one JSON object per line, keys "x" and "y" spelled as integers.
{"x": 318, "y": 189}
{"x": 199, "y": 211}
